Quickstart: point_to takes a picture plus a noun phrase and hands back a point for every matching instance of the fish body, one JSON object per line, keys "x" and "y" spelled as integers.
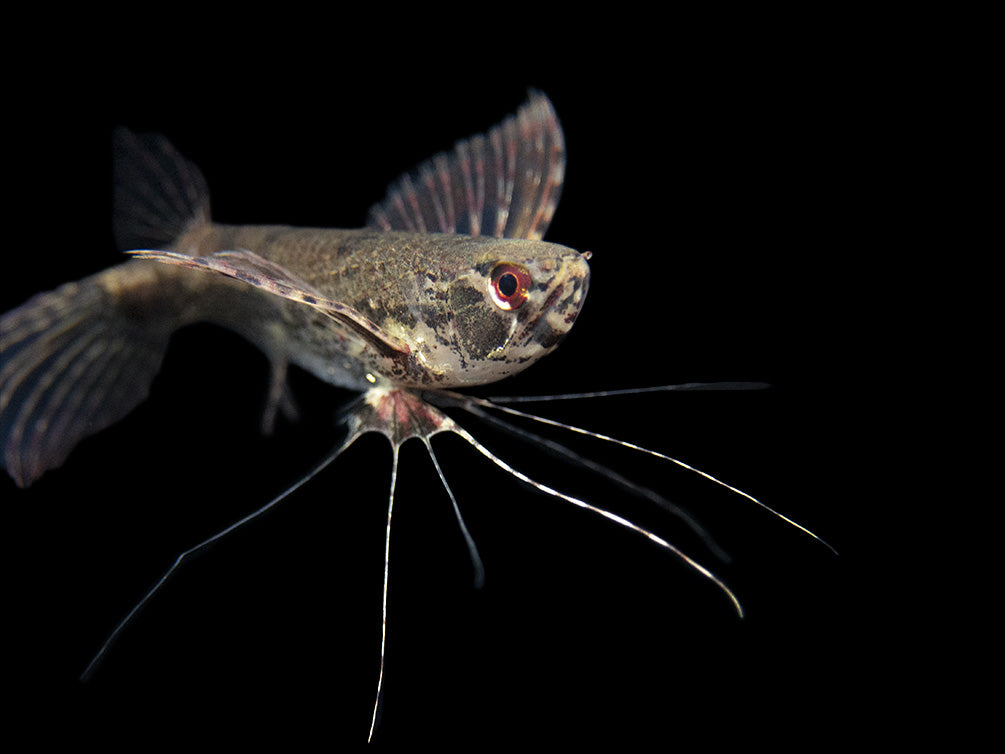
{"x": 422, "y": 299}
{"x": 449, "y": 286}
{"x": 431, "y": 296}
{"x": 430, "y": 293}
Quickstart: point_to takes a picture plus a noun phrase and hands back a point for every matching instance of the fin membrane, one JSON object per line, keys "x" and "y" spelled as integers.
{"x": 505, "y": 183}
{"x": 73, "y": 363}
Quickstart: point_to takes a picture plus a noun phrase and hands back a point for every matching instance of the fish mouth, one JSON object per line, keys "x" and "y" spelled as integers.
{"x": 565, "y": 296}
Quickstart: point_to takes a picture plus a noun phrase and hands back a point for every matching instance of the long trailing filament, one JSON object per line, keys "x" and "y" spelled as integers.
{"x": 401, "y": 416}
{"x": 468, "y": 401}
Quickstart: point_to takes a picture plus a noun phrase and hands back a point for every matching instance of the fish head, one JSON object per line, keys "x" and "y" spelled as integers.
{"x": 487, "y": 308}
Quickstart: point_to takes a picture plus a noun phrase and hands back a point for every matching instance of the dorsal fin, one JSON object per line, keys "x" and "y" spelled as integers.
{"x": 158, "y": 193}
{"x": 504, "y": 183}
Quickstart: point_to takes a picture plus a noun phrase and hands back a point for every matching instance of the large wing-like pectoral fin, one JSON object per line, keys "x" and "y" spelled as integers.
{"x": 256, "y": 271}
{"x": 504, "y": 183}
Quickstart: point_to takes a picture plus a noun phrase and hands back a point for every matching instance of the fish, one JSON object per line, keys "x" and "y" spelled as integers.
{"x": 287, "y": 285}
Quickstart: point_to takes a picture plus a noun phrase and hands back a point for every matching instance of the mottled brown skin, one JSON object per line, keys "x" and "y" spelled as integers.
{"x": 429, "y": 291}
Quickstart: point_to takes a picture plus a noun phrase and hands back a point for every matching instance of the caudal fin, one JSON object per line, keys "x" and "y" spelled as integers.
{"x": 71, "y": 362}
{"x": 76, "y": 359}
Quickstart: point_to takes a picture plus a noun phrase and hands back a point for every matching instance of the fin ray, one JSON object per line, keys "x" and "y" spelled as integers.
{"x": 252, "y": 269}
{"x": 505, "y": 183}
{"x": 73, "y": 363}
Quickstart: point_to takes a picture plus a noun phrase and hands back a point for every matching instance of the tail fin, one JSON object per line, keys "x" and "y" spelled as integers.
{"x": 73, "y": 362}
{"x": 79, "y": 358}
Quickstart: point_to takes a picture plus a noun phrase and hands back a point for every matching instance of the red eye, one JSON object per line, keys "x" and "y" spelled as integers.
{"x": 510, "y": 285}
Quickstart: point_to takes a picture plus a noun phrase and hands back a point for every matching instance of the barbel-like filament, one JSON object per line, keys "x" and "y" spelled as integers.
{"x": 120, "y": 627}
{"x": 423, "y": 421}
{"x": 468, "y": 401}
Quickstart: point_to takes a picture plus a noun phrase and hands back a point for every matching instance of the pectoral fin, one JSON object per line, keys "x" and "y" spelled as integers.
{"x": 252, "y": 269}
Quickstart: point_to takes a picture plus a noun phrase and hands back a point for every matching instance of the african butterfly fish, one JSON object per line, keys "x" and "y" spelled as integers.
{"x": 449, "y": 285}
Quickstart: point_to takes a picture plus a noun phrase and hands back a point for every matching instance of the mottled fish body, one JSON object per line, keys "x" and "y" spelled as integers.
{"x": 389, "y": 306}
{"x": 449, "y": 285}
{"x": 432, "y": 293}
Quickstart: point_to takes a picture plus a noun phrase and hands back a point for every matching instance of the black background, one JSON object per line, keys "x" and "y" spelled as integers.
{"x": 711, "y": 170}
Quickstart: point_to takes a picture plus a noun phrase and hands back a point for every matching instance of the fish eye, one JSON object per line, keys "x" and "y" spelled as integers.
{"x": 510, "y": 285}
